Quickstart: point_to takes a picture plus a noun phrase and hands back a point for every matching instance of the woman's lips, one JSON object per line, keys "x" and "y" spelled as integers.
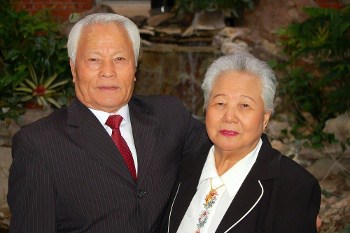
{"x": 228, "y": 132}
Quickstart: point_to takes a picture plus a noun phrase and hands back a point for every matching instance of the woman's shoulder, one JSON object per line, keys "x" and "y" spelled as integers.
{"x": 292, "y": 170}
{"x": 288, "y": 167}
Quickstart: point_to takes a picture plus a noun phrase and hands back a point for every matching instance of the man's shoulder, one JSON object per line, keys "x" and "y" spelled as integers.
{"x": 157, "y": 99}
{"x": 55, "y": 118}
{"x": 165, "y": 108}
{"x": 159, "y": 102}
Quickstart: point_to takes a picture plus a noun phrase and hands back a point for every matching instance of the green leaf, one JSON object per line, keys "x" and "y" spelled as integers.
{"x": 41, "y": 101}
{"x": 49, "y": 92}
{"x": 61, "y": 83}
{"x": 50, "y": 80}
{"x": 33, "y": 75}
{"x": 26, "y": 98}
{"x": 54, "y": 102}
{"x": 24, "y": 89}
{"x": 30, "y": 83}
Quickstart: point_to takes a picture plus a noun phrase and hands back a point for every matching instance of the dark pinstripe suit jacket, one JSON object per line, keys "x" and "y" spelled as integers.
{"x": 68, "y": 176}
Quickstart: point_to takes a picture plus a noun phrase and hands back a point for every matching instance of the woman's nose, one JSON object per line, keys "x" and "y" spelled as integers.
{"x": 230, "y": 115}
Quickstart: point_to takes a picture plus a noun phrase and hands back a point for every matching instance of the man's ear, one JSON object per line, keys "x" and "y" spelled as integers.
{"x": 72, "y": 69}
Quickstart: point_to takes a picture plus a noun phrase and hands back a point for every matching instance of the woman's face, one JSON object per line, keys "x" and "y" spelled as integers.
{"x": 235, "y": 117}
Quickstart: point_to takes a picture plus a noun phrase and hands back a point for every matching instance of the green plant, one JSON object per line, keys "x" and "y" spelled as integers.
{"x": 28, "y": 40}
{"x": 347, "y": 229}
{"x": 317, "y": 84}
{"x": 41, "y": 91}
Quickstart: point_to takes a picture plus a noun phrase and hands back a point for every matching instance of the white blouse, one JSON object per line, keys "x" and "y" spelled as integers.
{"x": 205, "y": 216}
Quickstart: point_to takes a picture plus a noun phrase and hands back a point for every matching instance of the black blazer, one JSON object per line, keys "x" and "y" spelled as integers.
{"x": 277, "y": 196}
{"x": 67, "y": 174}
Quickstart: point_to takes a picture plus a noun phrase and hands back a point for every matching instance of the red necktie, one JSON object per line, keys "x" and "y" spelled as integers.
{"x": 114, "y": 121}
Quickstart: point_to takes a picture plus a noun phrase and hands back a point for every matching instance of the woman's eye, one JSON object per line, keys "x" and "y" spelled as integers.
{"x": 220, "y": 104}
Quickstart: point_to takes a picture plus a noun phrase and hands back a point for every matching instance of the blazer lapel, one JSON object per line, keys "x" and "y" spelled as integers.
{"x": 146, "y": 132}
{"x": 245, "y": 199}
{"x": 190, "y": 172}
{"x": 90, "y": 135}
{"x": 266, "y": 167}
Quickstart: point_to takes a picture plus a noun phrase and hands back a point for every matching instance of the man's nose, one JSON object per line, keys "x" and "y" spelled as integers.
{"x": 107, "y": 69}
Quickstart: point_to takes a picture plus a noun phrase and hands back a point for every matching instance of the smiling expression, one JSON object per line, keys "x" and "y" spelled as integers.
{"x": 235, "y": 117}
{"x": 104, "y": 70}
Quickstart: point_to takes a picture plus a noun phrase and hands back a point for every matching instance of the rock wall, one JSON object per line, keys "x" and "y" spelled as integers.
{"x": 175, "y": 70}
{"x": 267, "y": 17}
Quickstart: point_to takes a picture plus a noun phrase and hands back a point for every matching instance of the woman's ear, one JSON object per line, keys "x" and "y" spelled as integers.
{"x": 267, "y": 116}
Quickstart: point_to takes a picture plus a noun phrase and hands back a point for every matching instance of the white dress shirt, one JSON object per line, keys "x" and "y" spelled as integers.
{"x": 125, "y": 127}
{"x": 229, "y": 184}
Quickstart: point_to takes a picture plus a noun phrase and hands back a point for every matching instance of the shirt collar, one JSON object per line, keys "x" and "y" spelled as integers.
{"x": 103, "y": 116}
{"x": 209, "y": 170}
{"x": 234, "y": 177}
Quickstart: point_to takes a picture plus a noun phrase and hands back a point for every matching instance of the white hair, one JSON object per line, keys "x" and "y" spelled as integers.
{"x": 98, "y": 18}
{"x": 242, "y": 62}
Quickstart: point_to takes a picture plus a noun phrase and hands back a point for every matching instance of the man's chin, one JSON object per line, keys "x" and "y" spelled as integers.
{"x": 110, "y": 106}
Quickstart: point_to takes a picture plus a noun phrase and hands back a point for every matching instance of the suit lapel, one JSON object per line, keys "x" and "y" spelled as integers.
{"x": 146, "y": 132}
{"x": 90, "y": 135}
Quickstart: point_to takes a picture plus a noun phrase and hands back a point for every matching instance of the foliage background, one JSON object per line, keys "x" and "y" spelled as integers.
{"x": 317, "y": 81}
{"x": 29, "y": 41}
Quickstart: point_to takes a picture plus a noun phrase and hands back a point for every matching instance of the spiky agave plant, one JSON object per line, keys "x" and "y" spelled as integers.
{"x": 42, "y": 91}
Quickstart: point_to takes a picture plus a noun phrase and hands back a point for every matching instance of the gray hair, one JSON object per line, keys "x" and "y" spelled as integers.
{"x": 75, "y": 33}
{"x": 242, "y": 62}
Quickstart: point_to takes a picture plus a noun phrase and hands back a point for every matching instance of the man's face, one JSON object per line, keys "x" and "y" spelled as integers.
{"x": 104, "y": 69}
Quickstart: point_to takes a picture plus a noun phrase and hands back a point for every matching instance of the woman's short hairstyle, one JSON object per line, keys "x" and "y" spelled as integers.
{"x": 103, "y": 18}
{"x": 242, "y": 62}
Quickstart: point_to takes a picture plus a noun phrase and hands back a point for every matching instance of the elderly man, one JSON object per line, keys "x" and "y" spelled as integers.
{"x": 107, "y": 162}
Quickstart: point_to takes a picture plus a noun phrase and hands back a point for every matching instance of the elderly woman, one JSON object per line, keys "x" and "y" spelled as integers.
{"x": 241, "y": 184}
